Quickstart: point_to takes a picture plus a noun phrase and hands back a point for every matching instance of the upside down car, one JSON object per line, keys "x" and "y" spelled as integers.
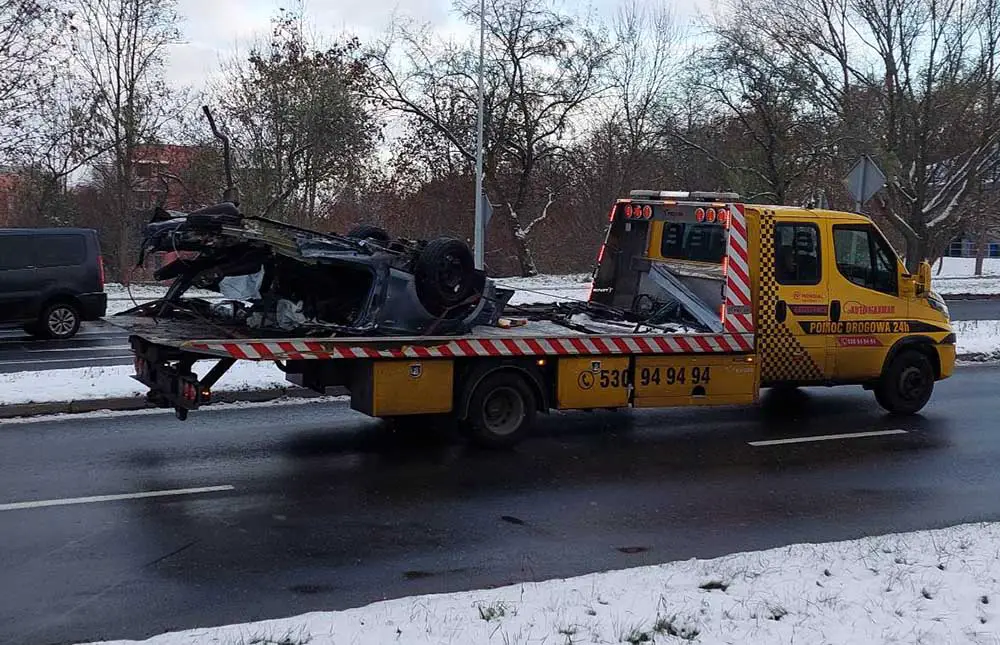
{"x": 277, "y": 278}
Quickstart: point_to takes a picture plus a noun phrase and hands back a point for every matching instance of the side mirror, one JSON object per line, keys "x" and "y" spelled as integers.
{"x": 924, "y": 278}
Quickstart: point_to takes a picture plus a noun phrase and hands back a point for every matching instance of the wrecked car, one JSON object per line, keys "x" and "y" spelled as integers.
{"x": 279, "y": 278}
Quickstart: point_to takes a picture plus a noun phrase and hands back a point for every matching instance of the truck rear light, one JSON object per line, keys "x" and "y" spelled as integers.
{"x": 710, "y": 216}
{"x": 100, "y": 270}
{"x": 699, "y": 215}
{"x": 189, "y": 391}
{"x": 647, "y": 212}
{"x": 628, "y": 211}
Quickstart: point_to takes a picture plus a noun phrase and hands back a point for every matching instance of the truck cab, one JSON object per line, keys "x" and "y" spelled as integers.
{"x": 830, "y": 301}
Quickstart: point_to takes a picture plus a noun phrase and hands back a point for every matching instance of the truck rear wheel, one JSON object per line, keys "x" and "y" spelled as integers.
{"x": 501, "y": 411}
{"x": 906, "y": 383}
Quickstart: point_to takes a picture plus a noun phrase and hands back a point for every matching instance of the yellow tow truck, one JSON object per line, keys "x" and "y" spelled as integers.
{"x": 697, "y": 299}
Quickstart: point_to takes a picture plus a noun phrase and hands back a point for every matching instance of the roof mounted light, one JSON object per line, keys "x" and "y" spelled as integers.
{"x": 698, "y": 196}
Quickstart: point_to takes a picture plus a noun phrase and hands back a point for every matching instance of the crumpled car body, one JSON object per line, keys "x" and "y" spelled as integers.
{"x": 313, "y": 283}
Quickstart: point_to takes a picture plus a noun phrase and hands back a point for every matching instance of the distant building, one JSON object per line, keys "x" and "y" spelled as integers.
{"x": 9, "y": 184}
{"x": 154, "y": 160}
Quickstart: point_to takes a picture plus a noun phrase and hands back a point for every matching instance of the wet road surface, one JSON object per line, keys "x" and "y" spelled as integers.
{"x": 97, "y": 343}
{"x": 311, "y": 507}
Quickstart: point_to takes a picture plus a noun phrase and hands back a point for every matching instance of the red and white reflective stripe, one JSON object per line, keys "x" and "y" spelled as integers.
{"x": 563, "y": 346}
{"x": 738, "y": 299}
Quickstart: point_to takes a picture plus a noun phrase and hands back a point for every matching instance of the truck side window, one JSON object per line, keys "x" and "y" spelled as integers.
{"x": 796, "y": 253}
{"x": 864, "y": 259}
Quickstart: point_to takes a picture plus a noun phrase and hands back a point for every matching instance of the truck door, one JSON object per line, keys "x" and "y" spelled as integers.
{"x": 867, "y": 311}
{"x": 794, "y": 301}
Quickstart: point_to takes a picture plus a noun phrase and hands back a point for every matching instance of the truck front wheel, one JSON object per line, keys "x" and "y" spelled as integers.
{"x": 906, "y": 383}
{"x": 501, "y": 410}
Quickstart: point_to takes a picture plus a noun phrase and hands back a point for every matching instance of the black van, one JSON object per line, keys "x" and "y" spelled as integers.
{"x": 50, "y": 279}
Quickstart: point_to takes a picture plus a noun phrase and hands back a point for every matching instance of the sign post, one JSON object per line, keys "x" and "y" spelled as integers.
{"x": 479, "y": 242}
{"x": 864, "y": 180}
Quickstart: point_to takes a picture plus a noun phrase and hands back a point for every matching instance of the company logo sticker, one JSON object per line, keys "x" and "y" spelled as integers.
{"x": 861, "y": 309}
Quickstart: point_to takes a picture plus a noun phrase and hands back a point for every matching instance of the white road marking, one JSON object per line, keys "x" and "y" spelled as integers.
{"x": 826, "y": 437}
{"x": 16, "y": 506}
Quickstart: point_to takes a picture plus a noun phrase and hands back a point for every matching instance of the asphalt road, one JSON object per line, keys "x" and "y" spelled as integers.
{"x": 100, "y": 343}
{"x": 329, "y": 510}
{"x": 97, "y": 343}
{"x": 981, "y": 309}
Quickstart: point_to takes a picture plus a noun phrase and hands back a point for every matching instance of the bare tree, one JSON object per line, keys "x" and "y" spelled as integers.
{"x": 901, "y": 77}
{"x": 301, "y": 128}
{"x": 543, "y": 69}
{"x": 31, "y": 34}
{"x": 120, "y": 48}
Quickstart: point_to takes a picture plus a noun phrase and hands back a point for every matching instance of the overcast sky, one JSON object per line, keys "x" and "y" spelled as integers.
{"x": 213, "y": 29}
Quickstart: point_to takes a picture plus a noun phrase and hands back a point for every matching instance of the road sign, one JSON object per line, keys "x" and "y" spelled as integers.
{"x": 486, "y": 210}
{"x": 864, "y": 180}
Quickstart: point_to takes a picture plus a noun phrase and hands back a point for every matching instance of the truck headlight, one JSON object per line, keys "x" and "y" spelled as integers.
{"x": 937, "y": 303}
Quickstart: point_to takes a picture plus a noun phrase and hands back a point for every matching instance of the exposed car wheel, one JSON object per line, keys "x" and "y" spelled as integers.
{"x": 443, "y": 275}
{"x": 368, "y": 232}
{"x": 59, "y": 320}
{"x": 501, "y": 411}
{"x": 906, "y": 383}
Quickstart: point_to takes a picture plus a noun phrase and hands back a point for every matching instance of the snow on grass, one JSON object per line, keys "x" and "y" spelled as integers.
{"x": 931, "y": 587}
{"x": 88, "y": 383}
{"x": 977, "y": 338}
{"x": 548, "y": 288}
{"x": 964, "y": 267}
{"x": 121, "y": 297}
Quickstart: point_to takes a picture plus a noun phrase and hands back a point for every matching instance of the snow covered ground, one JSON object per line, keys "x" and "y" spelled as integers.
{"x": 89, "y": 383}
{"x": 958, "y": 277}
{"x": 978, "y": 339}
{"x": 925, "y": 587}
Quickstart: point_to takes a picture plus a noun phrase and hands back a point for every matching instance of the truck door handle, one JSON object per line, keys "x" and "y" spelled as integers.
{"x": 835, "y": 310}
{"x": 780, "y": 311}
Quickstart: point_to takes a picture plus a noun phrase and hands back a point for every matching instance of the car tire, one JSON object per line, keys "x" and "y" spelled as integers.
{"x": 443, "y": 275}
{"x": 906, "y": 384}
{"x": 501, "y": 411}
{"x": 59, "y": 320}
{"x": 368, "y": 232}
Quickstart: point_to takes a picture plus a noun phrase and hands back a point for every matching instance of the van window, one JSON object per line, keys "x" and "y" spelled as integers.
{"x": 864, "y": 258}
{"x": 796, "y": 253}
{"x": 60, "y": 250}
{"x": 690, "y": 241}
{"x": 15, "y": 253}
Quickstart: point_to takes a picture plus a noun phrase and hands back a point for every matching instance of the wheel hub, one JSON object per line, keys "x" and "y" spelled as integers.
{"x": 503, "y": 411}
{"x": 61, "y": 321}
{"x": 912, "y": 383}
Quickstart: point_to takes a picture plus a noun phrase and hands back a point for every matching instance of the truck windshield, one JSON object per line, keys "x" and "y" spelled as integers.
{"x": 696, "y": 242}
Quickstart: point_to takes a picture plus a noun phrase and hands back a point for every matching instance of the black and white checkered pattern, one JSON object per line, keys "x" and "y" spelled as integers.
{"x": 783, "y": 358}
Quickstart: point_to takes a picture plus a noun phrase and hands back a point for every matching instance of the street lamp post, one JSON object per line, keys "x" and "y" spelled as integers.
{"x": 480, "y": 232}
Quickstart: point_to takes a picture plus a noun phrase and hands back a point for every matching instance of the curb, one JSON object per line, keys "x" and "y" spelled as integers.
{"x": 139, "y": 402}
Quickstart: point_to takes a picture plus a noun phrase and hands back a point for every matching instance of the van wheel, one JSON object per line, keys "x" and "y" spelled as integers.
{"x": 906, "y": 383}
{"x": 501, "y": 411}
{"x": 59, "y": 320}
